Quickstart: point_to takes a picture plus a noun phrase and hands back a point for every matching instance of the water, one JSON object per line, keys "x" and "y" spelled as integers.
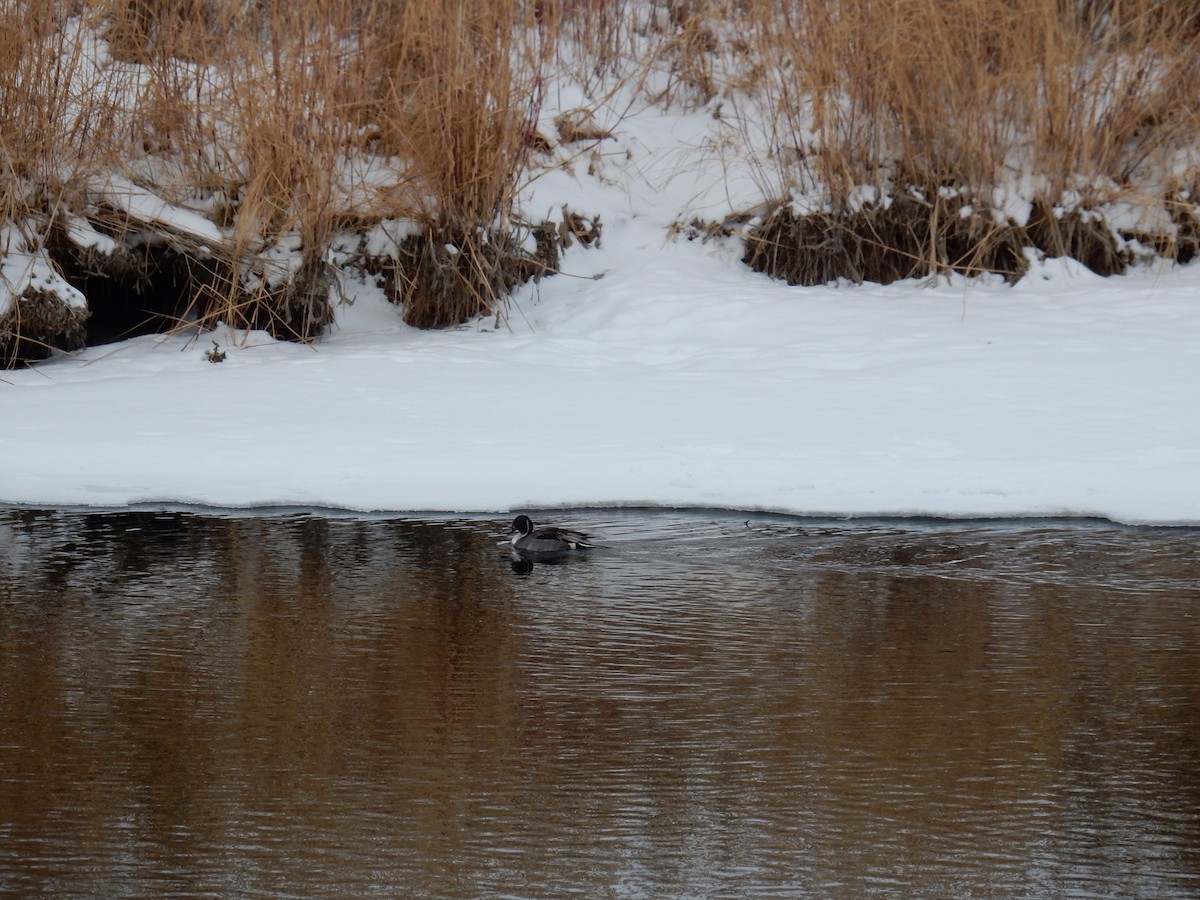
{"x": 301, "y": 705}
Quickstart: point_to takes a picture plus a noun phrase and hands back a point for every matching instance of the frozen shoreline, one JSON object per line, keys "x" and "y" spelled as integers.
{"x": 678, "y": 379}
{"x": 654, "y": 370}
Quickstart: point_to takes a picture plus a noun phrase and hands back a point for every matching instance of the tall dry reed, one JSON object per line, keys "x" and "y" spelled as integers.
{"x": 60, "y": 122}
{"x": 1069, "y": 105}
{"x": 456, "y": 91}
{"x": 287, "y": 123}
{"x": 965, "y": 92}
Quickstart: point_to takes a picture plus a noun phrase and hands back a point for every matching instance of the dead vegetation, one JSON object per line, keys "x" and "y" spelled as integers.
{"x": 443, "y": 277}
{"x": 282, "y": 127}
{"x": 38, "y": 322}
{"x": 914, "y": 236}
{"x": 1087, "y": 104}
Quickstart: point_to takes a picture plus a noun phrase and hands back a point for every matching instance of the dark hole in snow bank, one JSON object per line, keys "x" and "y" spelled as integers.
{"x": 138, "y": 281}
{"x": 131, "y": 291}
{"x": 147, "y": 285}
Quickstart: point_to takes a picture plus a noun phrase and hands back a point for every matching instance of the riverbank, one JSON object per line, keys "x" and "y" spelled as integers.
{"x": 168, "y": 163}
{"x": 290, "y": 255}
{"x": 653, "y": 372}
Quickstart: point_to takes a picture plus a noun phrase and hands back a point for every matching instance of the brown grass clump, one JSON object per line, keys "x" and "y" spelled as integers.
{"x": 457, "y": 93}
{"x": 281, "y": 127}
{"x": 1181, "y": 207}
{"x": 36, "y": 324}
{"x": 594, "y": 38}
{"x": 288, "y": 90}
{"x": 285, "y": 125}
{"x": 912, "y": 236}
{"x": 874, "y": 91}
{"x": 1079, "y": 233}
{"x": 60, "y": 111}
{"x": 445, "y": 278}
{"x": 142, "y": 30}
{"x": 57, "y": 114}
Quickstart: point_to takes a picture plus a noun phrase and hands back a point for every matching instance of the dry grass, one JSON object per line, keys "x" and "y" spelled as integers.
{"x": 59, "y": 111}
{"x": 284, "y": 124}
{"x": 58, "y": 123}
{"x": 595, "y": 38}
{"x": 1084, "y": 103}
{"x": 457, "y": 88}
{"x": 289, "y": 124}
{"x": 911, "y": 237}
{"x": 959, "y": 92}
{"x": 287, "y": 91}
{"x": 309, "y": 91}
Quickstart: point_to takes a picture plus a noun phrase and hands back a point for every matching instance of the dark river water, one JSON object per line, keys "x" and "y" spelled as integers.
{"x": 711, "y": 706}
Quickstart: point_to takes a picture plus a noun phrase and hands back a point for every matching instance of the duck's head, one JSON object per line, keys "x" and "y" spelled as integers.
{"x": 522, "y": 525}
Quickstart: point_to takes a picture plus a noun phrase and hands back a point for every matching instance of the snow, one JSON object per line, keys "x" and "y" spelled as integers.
{"x": 144, "y": 206}
{"x": 26, "y": 270}
{"x": 654, "y": 370}
{"x": 678, "y": 378}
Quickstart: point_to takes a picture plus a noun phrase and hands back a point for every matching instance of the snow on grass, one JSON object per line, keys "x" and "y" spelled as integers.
{"x": 25, "y": 269}
{"x": 148, "y": 208}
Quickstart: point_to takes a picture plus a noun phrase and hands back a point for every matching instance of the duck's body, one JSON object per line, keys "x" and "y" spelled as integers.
{"x": 528, "y": 538}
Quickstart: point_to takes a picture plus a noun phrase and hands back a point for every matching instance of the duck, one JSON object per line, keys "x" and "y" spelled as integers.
{"x": 528, "y": 538}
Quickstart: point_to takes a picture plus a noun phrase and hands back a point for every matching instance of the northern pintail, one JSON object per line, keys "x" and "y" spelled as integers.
{"x": 528, "y": 538}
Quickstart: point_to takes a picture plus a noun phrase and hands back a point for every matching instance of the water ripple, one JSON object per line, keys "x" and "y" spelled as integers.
{"x": 711, "y": 705}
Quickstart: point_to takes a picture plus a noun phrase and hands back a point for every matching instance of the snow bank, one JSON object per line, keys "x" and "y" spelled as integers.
{"x": 654, "y": 372}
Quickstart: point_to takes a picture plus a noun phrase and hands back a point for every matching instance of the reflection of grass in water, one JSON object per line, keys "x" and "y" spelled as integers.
{"x": 338, "y": 679}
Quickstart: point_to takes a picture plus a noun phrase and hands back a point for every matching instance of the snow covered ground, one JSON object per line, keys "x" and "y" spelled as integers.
{"x": 678, "y": 378}
{"x": 653, "y": 371}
